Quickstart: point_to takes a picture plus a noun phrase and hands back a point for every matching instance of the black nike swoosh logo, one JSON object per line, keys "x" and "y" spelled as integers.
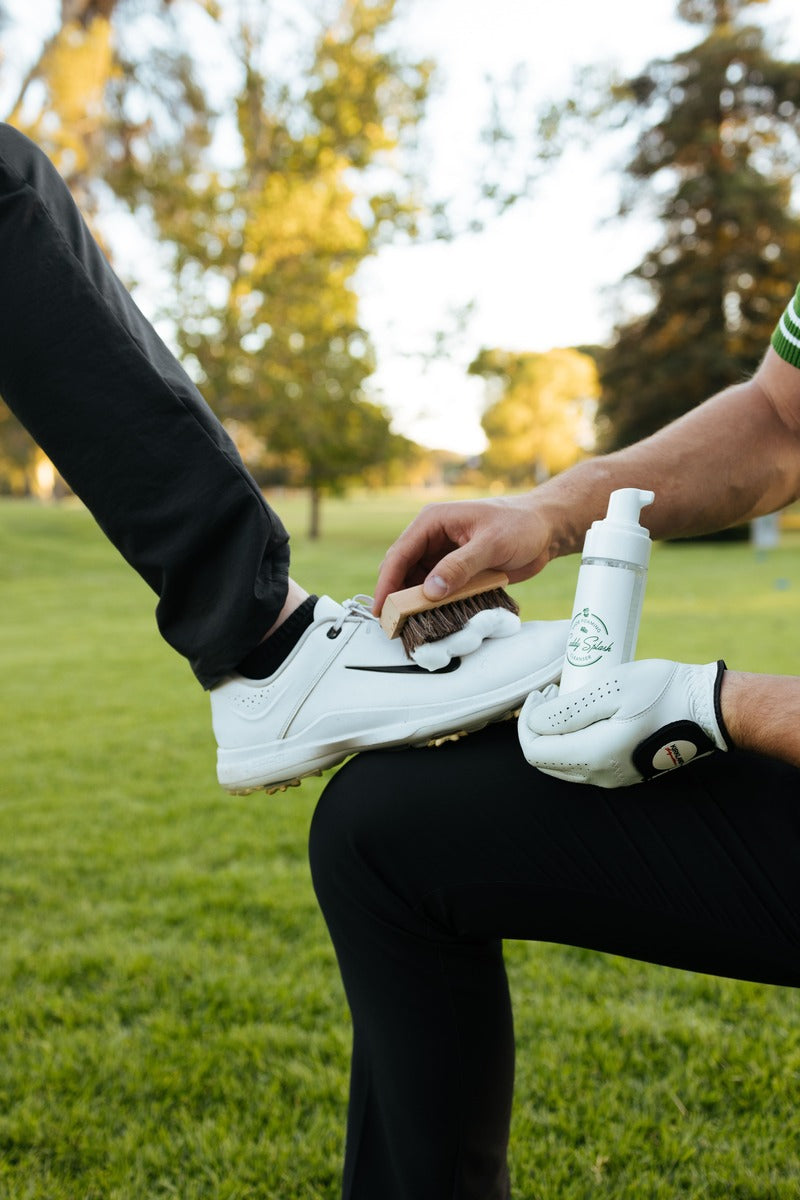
{"x": 409, "y": 669}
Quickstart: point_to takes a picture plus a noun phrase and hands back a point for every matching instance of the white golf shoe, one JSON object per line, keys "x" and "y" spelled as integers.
{"x": 347, "y": 687}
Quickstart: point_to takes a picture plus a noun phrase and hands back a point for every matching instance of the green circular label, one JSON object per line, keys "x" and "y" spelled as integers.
{"x": 588, "y": 641}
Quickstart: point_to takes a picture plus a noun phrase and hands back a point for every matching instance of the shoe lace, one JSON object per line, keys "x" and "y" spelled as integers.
{"x": 359, "y": 608}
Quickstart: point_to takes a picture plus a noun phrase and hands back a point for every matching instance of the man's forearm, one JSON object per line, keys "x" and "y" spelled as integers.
{"x": 762, "y": 713}
{"x": 735, "y": 457}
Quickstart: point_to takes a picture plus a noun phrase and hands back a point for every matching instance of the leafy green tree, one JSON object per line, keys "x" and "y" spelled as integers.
{"x": 717, "y": 152}
{"x": 316, "y": 191}
{"x": 541, "y": 416}
{"x": 265, "y": 251}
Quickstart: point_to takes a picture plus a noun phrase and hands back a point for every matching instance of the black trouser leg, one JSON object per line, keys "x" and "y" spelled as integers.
{"x": 423, "y": 860}
{"x": 97, "y": 389}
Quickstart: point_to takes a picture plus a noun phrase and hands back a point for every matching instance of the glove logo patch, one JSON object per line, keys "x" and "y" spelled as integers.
{"x": 588, "y": 640}
{"x": 672, "y": 746}
{"x": 674, "y": 754}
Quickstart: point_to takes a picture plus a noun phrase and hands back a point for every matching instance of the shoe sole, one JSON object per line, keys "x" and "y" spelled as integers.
{"x": 323, "y": 762}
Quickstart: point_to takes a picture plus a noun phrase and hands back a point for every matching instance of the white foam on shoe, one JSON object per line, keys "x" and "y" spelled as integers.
{"x": 491, "y": 622}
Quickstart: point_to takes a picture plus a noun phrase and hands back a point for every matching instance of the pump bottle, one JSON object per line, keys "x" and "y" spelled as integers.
{"x": 610, "y": 591}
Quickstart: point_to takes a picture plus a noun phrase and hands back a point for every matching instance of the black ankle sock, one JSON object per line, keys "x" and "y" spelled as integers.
{"x": 269, "y": 655}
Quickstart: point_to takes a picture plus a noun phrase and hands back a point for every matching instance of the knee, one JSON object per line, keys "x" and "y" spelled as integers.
{"x": 357, "y": 839}
{"x": 336, "y": 830}
{"x": 19, "y": 151}
{"x": 22, "y": 159}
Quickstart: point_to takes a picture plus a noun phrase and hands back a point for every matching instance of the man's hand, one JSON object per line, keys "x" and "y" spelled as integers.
{"x": 447, "y": 544}
{"x": 639, "y": 721}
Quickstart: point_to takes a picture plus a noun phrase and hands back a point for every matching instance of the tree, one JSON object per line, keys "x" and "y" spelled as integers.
{"x": 281, "y": 349}
{"x": 717, "y": 149}
{"x": 540, "y": 420}
{"x": 265, "y": 251}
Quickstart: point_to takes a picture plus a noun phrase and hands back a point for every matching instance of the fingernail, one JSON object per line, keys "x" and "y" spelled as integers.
{"x": 434, "y": 587}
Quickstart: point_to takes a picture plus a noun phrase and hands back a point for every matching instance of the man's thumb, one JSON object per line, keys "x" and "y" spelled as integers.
{"x": 435, "y": 587}
{"x": 453, "y": 572}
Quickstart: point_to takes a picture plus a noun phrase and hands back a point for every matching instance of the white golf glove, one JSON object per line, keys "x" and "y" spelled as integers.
{"x": 638, "y": 721}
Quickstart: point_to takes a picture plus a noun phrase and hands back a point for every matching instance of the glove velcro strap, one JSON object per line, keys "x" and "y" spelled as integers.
{"x": 671, "y": 746}
{"x": 680, "y": 742}
{"x": 722, "y": 667}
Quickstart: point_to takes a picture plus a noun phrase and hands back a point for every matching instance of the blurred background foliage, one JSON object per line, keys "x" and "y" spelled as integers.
{"x": 716, "y": 151}
{"x": 541, "y": 417}
{"x": 265, "y": 197}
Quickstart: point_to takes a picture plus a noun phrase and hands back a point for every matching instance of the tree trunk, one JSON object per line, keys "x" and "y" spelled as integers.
{"x": 314, "y": 526}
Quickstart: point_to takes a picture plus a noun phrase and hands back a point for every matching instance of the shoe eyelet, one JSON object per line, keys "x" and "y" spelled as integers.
{"x": 333, "y": 632}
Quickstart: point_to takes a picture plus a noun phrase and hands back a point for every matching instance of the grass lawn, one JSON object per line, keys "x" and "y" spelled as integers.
{"x": 171, "y": 1018}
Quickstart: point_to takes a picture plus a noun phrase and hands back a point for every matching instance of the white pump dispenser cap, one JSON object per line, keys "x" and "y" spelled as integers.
{"x": 619, "y": 535}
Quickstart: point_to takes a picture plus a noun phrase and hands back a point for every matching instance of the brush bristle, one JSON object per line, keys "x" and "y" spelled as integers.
{"x": 436, "y": 623}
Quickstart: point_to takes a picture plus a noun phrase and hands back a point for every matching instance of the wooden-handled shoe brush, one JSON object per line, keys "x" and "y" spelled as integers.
{"x": 416, "y": 620}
